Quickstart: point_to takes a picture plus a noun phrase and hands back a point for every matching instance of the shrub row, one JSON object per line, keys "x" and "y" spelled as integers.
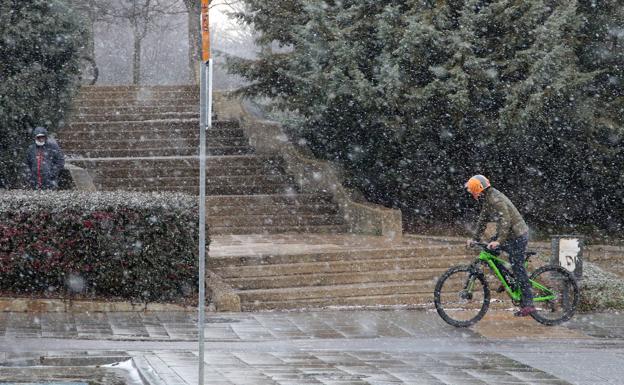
{"x": 118, "y": 245}
{"x": 600, "y": 290}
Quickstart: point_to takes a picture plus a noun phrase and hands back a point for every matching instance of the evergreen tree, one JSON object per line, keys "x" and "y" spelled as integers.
{"x": 412, "y": 97}
{"x": 39, "y": 45}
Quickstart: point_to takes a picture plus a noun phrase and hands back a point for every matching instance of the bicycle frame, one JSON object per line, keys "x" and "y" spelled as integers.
{"x": 491, "y": 260}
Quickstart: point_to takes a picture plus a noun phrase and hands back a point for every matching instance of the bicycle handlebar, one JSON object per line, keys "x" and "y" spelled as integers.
{"x": 485, "y": 247}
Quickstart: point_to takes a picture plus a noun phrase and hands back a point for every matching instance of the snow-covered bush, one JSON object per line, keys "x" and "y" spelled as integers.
{"x": 40, "y": 42}
{"x": 600, "y": 289}
{"x": 114, "y": 245}
{"x": 414, "y": 97}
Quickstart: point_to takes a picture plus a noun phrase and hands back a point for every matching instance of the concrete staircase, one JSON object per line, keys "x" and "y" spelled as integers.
{"x": 146, "y": 139}
{"x": 273, "y": 246}
{"x": 365, "y": 274}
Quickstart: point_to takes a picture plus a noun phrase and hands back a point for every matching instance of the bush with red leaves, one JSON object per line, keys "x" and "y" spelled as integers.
{"x": 113, "y": 245}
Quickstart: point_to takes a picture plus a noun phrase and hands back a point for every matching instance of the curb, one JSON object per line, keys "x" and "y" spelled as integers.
{"x": 21, "y": 305}
{"x": 146, "y": 372}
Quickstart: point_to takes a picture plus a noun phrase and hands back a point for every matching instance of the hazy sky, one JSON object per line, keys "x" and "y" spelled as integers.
{"x": 165, "y": 50}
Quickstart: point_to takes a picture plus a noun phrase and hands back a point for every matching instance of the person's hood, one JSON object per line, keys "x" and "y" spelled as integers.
{"x": 40, "y": 131}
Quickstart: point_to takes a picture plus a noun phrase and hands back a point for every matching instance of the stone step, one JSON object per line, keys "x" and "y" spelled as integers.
{"x": 279, "y": 230}
{"x": 146, "y": 125}
{"x": 283, "y": 200}
{"x": 275, "y": 220}
{"x": 136, "y": 88}
{"x": 145, "y": 93}
{"x": 218, "y": 181}
{"x": 157, "y": 151}
{"x": 131, "y": 102}
{"x": 210, "y": 190}
{"x": 434, "y": 256}
{"x": 417, "y": 300}
{"x": 166, "y": 163}
{"x": 69, "y": 145}
{"x": 146, "y": 139}
{"x": 280, "y": 210}
{"x": 118, "y": 117}
{"x": 134, "y": 96}
{"x": 189, "y": 172}
{"x": 297, "y": 294}
{"x": 156, "y": 133}
{"x": 335, "y": 278}
{"x": 420, "y": 300}
{"x": 131, "y": 110}
{"x": 364, "y": 265}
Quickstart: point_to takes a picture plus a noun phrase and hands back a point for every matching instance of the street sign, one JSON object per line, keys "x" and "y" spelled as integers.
{"x": 205, "y": 30}
{"x": 567, "y": 252}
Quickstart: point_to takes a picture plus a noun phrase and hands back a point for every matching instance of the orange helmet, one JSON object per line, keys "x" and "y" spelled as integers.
{"x": 476, "y": 185}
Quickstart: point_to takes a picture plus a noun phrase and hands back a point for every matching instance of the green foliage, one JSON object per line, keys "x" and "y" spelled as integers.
{"x": 413, "y": 97}
{"x": 39, "y": 45}
{"x": 113, "y": 245}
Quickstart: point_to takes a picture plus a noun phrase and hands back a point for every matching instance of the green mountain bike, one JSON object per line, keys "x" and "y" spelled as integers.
{"x": 462, "y": 293}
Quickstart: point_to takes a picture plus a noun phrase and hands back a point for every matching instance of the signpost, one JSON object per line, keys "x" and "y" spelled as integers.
{"x": 567, "y": 251}
{"x": 204, "y": 124}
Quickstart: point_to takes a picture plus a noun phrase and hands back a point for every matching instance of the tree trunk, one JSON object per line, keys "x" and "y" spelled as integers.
{"x": 194, "y": 10}
{"x": 136, "y": 60}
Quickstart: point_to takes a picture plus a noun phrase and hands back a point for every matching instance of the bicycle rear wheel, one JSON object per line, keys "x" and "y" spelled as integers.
{"x": 555, "y": 293}
{"x": 461, "y": 296}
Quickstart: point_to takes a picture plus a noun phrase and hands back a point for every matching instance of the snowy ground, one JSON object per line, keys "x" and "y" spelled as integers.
{"x": 330, "y": 347}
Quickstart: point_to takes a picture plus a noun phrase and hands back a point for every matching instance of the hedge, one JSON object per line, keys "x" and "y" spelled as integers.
{"x": 131, "y": 246}
{"x": 600, "y": 289}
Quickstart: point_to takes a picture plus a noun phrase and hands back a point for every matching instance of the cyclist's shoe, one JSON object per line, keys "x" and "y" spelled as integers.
{"x": 525, "y": 311}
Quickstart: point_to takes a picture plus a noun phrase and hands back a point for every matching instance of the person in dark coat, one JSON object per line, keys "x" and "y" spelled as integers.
{"x": 45, "y": 160}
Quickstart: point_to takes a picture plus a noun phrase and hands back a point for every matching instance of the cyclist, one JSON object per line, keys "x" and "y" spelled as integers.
{"x": 512, "y": 233}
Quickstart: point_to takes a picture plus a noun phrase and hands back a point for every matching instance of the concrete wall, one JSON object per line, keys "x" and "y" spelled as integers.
{"x": 311, "y": 175}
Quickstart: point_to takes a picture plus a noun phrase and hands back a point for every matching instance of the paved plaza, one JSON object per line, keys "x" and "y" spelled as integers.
{"x": 333, "y": 347}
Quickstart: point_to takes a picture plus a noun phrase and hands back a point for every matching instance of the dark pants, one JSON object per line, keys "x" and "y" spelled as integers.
{"x": 516, "y": 248}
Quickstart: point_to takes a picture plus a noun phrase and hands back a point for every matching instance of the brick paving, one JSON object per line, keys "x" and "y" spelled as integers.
{"x": 182, "y": 326}
{"x": 353, "y": 368}
{"x": 327, "y": 347}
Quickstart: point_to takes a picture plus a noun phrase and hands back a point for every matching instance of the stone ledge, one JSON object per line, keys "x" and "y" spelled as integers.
{"x": 83, "y": 306}
{"x": 221, "y": 295}
{"x": 313, "y": 175}
{"x": 81, "y": 178}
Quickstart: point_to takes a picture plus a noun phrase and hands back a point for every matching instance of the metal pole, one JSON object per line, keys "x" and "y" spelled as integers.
{"x": 204, "y": 123}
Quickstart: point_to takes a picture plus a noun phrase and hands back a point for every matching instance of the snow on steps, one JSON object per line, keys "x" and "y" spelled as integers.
{"x": 146, "y": 139}
{"x": 360, "y": 277}
{"x": 78, "y": 103}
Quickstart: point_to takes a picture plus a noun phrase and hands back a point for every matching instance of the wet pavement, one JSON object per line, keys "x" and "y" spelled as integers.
{"x": 329, "y": 347}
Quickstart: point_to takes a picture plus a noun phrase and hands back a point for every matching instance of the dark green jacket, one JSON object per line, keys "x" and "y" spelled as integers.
{"x": 509, "y": 222}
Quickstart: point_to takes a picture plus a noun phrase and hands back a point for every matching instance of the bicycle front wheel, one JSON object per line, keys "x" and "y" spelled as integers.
{"x": 462, "y": 296}
{"x": 555, "y": 295}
